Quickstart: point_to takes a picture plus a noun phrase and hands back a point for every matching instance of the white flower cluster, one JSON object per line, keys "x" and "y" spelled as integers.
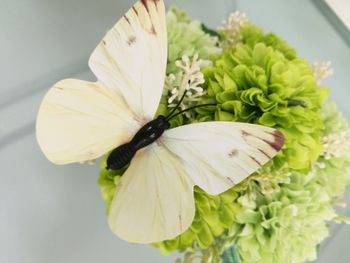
{"x": 232, "y": 27}
{"x": 336, "y": 145}
{"x": 322, "y": 71}
{"x": 189, "y": 78}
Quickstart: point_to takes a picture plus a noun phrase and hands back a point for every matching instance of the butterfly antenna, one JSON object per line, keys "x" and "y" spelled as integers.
{"x": 191, "y": 108}
{"x": 169, "y": 117}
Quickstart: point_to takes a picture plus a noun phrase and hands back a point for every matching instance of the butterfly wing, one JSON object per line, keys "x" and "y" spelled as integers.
{"x": 218, "y": 155}
{"x": 154, "y": 199}
{"x": 80, "y": 121}
{"x": 131, "y": 59}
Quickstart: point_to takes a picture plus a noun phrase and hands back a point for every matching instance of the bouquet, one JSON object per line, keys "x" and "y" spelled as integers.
{"x": 236, "y": 89}
{"x": 279, "y": 214}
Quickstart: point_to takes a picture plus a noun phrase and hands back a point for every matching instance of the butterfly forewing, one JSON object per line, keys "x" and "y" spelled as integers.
{"x": 81, "y": 121}
{"x": 218, "y": 155}
{"x": 131, "y": 59}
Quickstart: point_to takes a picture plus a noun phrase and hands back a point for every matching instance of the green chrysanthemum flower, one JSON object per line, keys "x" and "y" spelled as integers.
{"x": 284, "y": 226}
{"x": 260, "y": 85}
{"x": 253, "y": 35}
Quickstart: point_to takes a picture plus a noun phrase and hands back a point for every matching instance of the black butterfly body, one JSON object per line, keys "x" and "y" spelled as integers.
{"x": 148, "y": 134}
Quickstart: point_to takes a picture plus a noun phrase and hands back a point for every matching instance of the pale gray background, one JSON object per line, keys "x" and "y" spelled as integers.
{"x": 55, "y": 214}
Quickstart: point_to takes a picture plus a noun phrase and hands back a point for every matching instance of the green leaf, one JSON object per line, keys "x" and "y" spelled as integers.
{"x": 318, "y": 249}
{"x": 210, "y": 31}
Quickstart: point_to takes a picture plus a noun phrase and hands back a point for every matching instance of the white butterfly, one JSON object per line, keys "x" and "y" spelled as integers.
{"x": 80, "y": 121}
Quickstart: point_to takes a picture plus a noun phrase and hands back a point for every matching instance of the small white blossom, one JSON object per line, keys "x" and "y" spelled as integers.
{"x": 321, "y": 165}
{"x": 232, "y": 27}
{"x": 336, "y": 145}
{"x": 322, "y": 71}
{"x": 190, "y": 78}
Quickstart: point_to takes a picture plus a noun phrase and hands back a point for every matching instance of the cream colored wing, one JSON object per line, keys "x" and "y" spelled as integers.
{"x": 131, "y": 59}
{"x": 218, "y": 155}
{"x": 154, "y": 199}
{"x": 80, "y": 121}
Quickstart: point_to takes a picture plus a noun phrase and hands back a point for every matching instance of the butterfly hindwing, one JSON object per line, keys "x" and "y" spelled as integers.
{"x": 154, "y": 198}
{"x": 131, "y": 59}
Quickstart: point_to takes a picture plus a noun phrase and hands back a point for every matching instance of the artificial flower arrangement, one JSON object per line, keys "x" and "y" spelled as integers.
{"x": 279, "y": 214}
{"x": 235, "y": 74}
